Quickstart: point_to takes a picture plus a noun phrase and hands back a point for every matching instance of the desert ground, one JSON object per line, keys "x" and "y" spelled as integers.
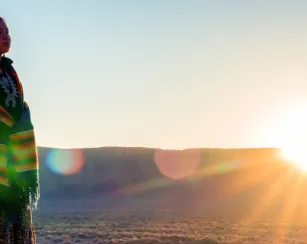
{"x": 141, "y": 225}
{"x": 160, "y": 227}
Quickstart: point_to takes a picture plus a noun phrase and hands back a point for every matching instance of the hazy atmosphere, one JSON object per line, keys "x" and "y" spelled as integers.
{"x": 166, "y": 121}
{"x": 170, "y": 74}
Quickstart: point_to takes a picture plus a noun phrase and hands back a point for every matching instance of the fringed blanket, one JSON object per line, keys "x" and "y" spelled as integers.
{"x": 18, "y": 154}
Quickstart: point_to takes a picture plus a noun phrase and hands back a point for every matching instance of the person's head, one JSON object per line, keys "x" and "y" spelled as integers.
{"x": 5, "y": 39}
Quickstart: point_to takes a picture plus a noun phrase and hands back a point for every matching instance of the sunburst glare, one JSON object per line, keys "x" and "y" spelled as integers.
{"x": 291, "y": 134}
{"x": 296, "y": 155}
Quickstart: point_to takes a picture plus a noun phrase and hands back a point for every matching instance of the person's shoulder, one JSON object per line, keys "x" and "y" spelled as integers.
{"x": 6, "y": 63}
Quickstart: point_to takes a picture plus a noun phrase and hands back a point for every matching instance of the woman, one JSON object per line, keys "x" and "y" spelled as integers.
{"x": 19, "y": 185}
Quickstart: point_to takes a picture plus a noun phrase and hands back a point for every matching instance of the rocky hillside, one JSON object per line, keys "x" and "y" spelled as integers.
{"x": 209, "y": 179}
{"x": 123, "y": 170}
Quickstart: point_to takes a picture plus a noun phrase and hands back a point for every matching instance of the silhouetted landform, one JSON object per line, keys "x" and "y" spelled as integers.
{"x": 115, "y": 170}
{"x": 207, "y": 179}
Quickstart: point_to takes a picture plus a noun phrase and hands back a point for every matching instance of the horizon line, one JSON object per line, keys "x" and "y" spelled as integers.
{"x": 157, "y": 148}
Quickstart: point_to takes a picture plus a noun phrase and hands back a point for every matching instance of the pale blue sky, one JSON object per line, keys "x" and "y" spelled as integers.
{"x": 162, "y": 73}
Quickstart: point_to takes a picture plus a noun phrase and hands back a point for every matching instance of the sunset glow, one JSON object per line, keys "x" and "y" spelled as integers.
{"x": 296, "y": 155}
{"x": 293, "y": 130}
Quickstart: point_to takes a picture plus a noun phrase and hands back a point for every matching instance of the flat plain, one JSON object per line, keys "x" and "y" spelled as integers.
{"x": 161, "y": 226}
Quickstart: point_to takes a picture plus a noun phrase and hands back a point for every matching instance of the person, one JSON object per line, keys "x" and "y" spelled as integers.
{"x": 19, "y": 179}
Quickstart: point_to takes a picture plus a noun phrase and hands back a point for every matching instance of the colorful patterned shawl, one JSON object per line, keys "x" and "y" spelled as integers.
{"x": 18, "y": 151}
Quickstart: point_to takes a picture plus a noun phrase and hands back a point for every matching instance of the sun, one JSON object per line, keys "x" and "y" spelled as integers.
{"x": 297, "y": 155}
{"x": 290, "y": 132}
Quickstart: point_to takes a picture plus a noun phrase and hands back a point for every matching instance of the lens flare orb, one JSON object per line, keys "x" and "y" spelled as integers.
{"x": 65, "y": 161}
{"x": 177, "y": 164}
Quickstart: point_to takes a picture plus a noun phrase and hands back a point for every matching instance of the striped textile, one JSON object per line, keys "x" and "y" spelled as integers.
{"x": 3, "y": 165}
{"x": 25, "y": 164}
{"x": 7, "y": 123}
{"x": 19, "y": 181}
{"x": 21, "y": 142}
{"x": 18, "y": 154}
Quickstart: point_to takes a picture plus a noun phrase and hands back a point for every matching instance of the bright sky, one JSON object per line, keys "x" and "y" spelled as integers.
{"x": 163, "y": 73}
